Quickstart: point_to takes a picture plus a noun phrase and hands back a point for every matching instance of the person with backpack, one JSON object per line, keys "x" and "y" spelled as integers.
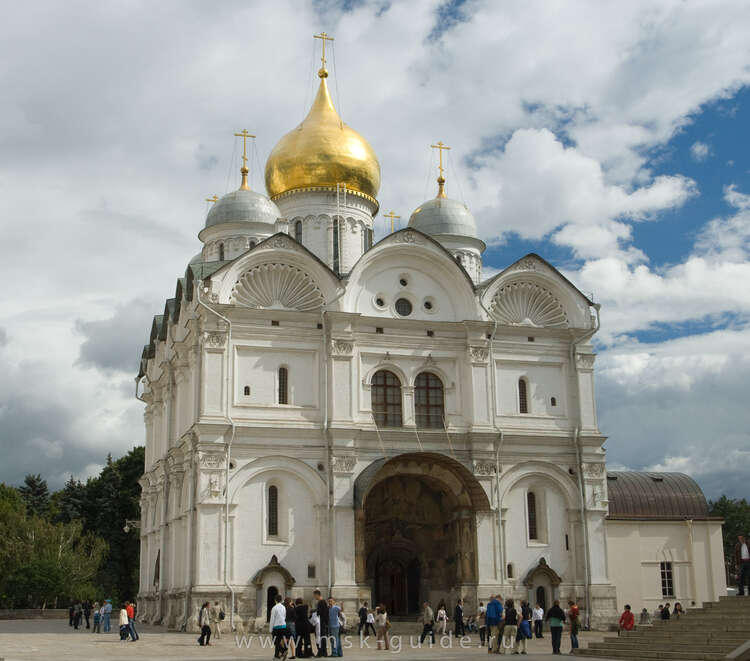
{"x": 573, "y": 616}
{"x": 216, "y": 616}
{"x": 204, "y": 622}
{"x": 556, "y": 618}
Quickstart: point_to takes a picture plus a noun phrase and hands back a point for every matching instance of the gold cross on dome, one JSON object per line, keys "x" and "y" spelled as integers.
{"x": 441, "y": 178}
{"x": 323, "y": 36}
{"x": 212, "y": 199}
{"x": 392, "y": 216}
{"x": 244, "y": 135}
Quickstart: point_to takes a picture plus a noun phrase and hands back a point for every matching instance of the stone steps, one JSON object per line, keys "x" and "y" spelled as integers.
{"x": 703, "y": 634}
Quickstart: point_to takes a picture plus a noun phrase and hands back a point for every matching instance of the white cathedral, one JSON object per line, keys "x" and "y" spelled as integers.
{"x": 379, "y": 422}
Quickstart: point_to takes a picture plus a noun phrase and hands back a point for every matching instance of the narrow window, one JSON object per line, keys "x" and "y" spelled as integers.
{"x": 567, "y": 543}
{"x": 221, "y": 252}
{"x": 283, "y": 385}
{"x": 553, "y": 401}
{"x": 429, "y": 403}
{"x": 523, "y": 401}
{"x": 459, "y": 260}
{"x": 336, "y": 246}
{"x": 273, "y": 511}
{"x": 247, "y": 391}
{"x": 252, "y": 244}
{"x": 298, "y": 231}
{"x": 531, "y": 507}
{"x": 368, "y": 239}
{"x": 379, "y": 330}
{"x": 386, "y": 399}
{"x": 310, "y": 571}
{"x": 667, "y": 580}
{"x": 510, "y": 570}
{"x": 430, "y": 333}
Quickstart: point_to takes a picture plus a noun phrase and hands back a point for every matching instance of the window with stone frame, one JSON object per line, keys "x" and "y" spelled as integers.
{"x": 298, "y": 231}
{"x": 386, "y": 399}
{"x": 531, "y": 513}
{"x": 429, "y": 401}
{"x": 523, "y": 397}
{"x": 273, "y": 511}
{"x": 283, "y": 385}
{"x": 667, "y": 579}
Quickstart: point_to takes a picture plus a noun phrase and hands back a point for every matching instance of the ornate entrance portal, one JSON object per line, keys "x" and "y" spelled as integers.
{"x": 416, "y": 530}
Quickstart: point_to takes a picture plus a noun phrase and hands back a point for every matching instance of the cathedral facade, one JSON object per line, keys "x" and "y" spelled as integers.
{"x": 374, "y": 420}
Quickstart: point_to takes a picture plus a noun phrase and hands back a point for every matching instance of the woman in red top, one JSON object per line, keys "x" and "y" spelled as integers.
{"x": 627, "y": 619}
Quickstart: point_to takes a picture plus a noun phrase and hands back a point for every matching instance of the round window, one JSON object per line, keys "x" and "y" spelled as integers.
{"x": 428, "y": 305}
{"x": 403, "y": 307}
{"x": 403, "y": 282}
{"x": 379, "y": 302}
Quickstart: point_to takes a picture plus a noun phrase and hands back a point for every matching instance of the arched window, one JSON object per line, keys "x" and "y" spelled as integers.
{"x": 531, "y": 513}
{"x": 252, "y": 243}
{"x": 429, "y": 401}
{"x": 386, "y": 399}
{"x": 368, "y": 238}
{"x": 221, "y": 252}
{"x": 298, "y": 231}
{"x": 247, "y": 391}
{"x": 283, "y": 385}
{"x": 459, "y": 260}
{"x": 336, "y": 245}
{"x": 273, "y": 511}
{"x": 523, "y": 399}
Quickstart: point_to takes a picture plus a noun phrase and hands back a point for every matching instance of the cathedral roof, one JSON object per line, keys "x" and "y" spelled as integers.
{"x": 635, "y": 495}
{"x": 441, "y": 216}
{"x": 243, "y": 206}
{"x": 321, "y": 153}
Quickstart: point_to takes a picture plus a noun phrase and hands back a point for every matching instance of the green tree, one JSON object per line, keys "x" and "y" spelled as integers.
{"x": 69, "y": 503}
{"x": 35, "y": 494}
{"x": 736, "y": 515}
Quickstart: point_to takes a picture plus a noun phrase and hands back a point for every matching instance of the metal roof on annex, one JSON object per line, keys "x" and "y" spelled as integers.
{"x": 634, "y": 495}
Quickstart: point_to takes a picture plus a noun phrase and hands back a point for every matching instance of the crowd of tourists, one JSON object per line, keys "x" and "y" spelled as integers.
{"x": 100, "y": 616}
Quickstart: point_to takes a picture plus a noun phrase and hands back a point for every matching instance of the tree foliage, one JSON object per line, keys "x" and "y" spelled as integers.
{"x": 736, "y": 515}
{"x": 35, "y": 494}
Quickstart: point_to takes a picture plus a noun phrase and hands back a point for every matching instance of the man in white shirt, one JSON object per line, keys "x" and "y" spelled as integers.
{"x": 742, "y": 562}
{"x": 537, "y": 616}
{"x": 277, "y": 626}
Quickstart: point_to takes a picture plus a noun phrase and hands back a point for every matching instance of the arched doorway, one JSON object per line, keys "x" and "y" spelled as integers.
{"x": 270, "y": 600}
{"x": 541, "y": 597}
{"x": 416, "y": 530}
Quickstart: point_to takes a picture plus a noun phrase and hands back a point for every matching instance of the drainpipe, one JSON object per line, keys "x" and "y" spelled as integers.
{"x": 228, "y": 452}
{"x": 579, "y": 455}
{"x": 327, "y": 439}
{"x": 498, "y": 444}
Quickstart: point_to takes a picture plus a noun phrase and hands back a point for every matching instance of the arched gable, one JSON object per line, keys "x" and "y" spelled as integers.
{"x": 532, "y": 293}
{"x": 543, "y": 471}
{"x": 294, "y": 467}
{"x": 278, "y": 273}
{"x": 437, "y": 288}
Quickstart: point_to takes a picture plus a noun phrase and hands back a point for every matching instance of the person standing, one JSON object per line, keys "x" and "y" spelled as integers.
{"x": 428, "y": 624}
{"x": 442, "y": 619}
{"x": 106, "y": 615}
{"x": 742, "y": 563}
{"x": 97, "y": 617}
{"x": 321, "y": 608}
{"x": 511, "y": 627}
{"x": 362, "y": 619}
{"x": 678, "y": 610}
{"x": 71, "y": 613}
{"x": 482, "y": 622}
{"x": 494, "y": 620}
{"x": 277, "y": 626}
{"x": 537, "y": 617}
{"x": 645, "y": 617}
{"x": 627, "y": 619}
{"x": 573, "y": 616}
{"x": 370, "y": 624}
{"x": 381, "y": 626}
{"x": 555, "y": 618}
{"x": 216, "y": 615}
{"x": 302, "y": 626}
{"x": 665, "y": 614}
{"x": 291, "y": 627}
{"x": 77, "y": 612}
{"x": 87, "y": 612}
{"x": 131, "y": 621}
{"x": 334, "y": 627}
{"x": 124, "y": 624}
{"x": 458, "y": 615}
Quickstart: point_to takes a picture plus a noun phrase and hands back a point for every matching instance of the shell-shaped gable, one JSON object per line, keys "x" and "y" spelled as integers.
{"x": 522, "y": 303}
{"x": 277, "y": 286}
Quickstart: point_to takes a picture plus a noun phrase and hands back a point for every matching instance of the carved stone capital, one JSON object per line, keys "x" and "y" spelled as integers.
{"x": 211, "y": 461}
{"x": 484, "y": 467}
{"x": 343, "y": 464}
{"x": 214, "y": 339}
{"x": 478, "y": 354}
{"x": 341, "y": 348}
{"x": 585, "y": 361}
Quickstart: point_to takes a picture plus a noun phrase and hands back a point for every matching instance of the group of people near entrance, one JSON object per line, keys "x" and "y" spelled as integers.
{"x": 102, "y": 615}
{"x": 504, "y": 628}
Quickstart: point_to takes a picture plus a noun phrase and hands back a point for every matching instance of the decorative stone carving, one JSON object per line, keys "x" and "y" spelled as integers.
{"x": 281, "y": 242}
{"x": 596, "y": 470}
{"x": 484, "y": 467}
{"x": 277, "y": 286}
{"x": 479, "y": 354}
{"x": 215, "y": 339}
{"x": 585, "y": 361}
{"x": 528, "y": 304}
{"x": 409, "y": 237}
{"x": 213, "y": 297}
{"x": 341, "y": 348}
{"x": 212, "y": 461}
{"x": 526, "y": 264}
{"x": 344, "y": 464}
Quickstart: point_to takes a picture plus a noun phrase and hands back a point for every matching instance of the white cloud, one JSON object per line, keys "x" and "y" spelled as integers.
{"x": 699, "y": 151}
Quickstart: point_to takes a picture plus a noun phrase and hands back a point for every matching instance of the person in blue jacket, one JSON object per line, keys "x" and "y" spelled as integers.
{"x": 494, "y": 619}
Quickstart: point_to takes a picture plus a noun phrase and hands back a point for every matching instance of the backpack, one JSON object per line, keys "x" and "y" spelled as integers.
{"x": 222, "y": 615}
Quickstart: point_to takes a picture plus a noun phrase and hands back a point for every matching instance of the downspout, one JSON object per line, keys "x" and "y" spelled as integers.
{"x": 228, "y": 452}
{"x": 327, "y": 440}
{"x": 140, "y": 398}
{"x": 579, "y": 455}
{"x": 498, "y": 444}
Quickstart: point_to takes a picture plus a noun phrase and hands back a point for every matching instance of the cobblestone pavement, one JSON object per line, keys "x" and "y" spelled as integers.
{"x": 48, "y": 640}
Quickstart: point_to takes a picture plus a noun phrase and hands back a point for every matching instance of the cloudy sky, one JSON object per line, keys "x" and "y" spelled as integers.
{"x": 610, "y": 137}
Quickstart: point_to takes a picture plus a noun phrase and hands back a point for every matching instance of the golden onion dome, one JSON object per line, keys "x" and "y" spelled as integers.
{"x": 322, "y": 152}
